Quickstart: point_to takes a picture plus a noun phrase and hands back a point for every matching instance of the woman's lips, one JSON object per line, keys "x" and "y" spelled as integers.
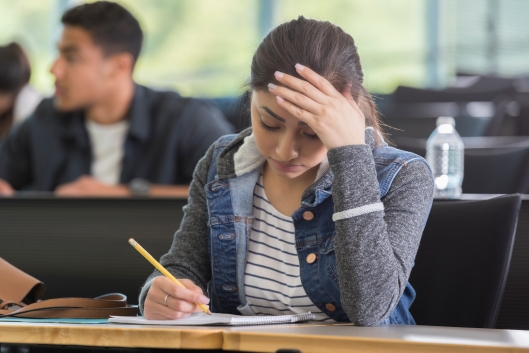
{"x": 284, "y": 166}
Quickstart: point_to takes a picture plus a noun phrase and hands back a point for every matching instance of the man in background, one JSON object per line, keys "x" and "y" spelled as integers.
{"x": 102, "y": 134}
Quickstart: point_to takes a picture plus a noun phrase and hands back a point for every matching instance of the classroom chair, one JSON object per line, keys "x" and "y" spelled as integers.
{"x": 463, "y": 261}
{"x": 490, "y": 167}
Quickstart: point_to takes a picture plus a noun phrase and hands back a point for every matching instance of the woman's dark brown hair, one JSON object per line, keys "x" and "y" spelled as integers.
{"x": 321, "y": 46}
{"x": 14, "y": 75}
{"x": 14, "y": 68}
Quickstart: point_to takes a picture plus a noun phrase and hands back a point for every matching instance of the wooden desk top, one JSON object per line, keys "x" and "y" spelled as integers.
{"x": 309, "y": 338}
{"x": 389, "y": 338}
{"x": 112, "y": 335}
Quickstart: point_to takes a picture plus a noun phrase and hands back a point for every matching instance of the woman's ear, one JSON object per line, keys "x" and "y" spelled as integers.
{"x": 360, "y": 101}
{"x": 346, "y": 92}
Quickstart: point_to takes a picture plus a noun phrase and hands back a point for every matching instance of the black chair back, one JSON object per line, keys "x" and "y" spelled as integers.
{"x": 469, "y": 101}
{"x": 503, "y": 170}
{"x": 488, "y": 170}
{"x": 79, "y": 247}
{"x": 463, "y": 260}
{"x": 405, "y": 94}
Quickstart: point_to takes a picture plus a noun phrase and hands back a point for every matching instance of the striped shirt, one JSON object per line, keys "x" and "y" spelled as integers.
{"x": 272, "y": 282}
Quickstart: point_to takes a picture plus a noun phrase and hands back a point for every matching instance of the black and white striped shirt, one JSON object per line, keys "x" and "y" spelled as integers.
{"x": 272, "y": 281}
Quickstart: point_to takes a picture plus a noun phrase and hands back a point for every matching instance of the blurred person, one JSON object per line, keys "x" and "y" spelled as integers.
{"x": 17, "y": 98}
{"x": 102, "y": 134}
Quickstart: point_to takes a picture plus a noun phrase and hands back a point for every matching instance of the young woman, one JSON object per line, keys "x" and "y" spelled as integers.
{"x": 308, "y": 210}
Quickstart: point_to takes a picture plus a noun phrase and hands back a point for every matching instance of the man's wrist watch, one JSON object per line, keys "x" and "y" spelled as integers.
{"x": 139, "y": 187}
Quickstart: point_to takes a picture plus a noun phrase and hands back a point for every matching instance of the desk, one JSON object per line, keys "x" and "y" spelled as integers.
{"x": 73, "y": 230}
{"x": 309, "y": 338}
{"x": 112, "y": 335}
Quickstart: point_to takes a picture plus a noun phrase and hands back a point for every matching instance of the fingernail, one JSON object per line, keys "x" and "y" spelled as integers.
{"x": 299, "y": 67}
{"x": 278, "y": 74}
{"x": 204, "y": 300}
{"x": 272, "y": 86}
{"x": 279, "y": 99}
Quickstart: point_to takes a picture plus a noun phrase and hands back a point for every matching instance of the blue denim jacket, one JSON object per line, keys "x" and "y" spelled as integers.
{"x": 230, "y": 209}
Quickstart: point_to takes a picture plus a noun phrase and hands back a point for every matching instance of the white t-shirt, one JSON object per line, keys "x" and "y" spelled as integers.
{"x": 108, "y": 149}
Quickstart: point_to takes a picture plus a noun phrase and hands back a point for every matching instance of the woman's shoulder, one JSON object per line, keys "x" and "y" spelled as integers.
{"x": 414, "y": 177}
{"x": 232, "y": 139}
{"x": 387, "y": 154}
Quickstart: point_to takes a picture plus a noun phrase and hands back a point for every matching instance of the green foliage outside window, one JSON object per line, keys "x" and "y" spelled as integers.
{"x": 204, "y": 47}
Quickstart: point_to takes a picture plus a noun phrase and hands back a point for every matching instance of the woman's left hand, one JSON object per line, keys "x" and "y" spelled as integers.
{"x": 334, "y": 116}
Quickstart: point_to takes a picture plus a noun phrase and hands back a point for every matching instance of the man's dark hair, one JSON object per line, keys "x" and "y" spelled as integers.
{"x": 111, "y": 26}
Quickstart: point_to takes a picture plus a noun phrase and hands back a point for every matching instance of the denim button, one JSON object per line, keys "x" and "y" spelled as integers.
{"x": 228, "y": 236}
{"x": 330, "y": 307}
{"x": 229, "y": 288}
{"x": 308, "y": 216}
{"x": 216, "y": 186}
{"x": 311, "y": 258}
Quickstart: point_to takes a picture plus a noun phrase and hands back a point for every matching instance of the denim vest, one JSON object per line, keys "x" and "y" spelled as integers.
{"x": 230, "y": 209}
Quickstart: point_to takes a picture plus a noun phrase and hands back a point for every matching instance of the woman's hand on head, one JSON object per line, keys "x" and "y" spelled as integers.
{"x": 334, "y": 116}
{"x": 181, "y": 302}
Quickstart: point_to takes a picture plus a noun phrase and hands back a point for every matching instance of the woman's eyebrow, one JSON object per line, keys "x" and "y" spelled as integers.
{"x": 277, "y": 117}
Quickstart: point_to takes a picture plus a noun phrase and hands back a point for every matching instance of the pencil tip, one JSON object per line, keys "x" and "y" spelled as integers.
{"x": 132, "y": 242}
{"x": 208, "y": 312}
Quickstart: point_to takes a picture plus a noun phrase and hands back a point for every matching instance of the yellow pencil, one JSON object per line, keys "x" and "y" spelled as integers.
{"x": 160, "y": 268}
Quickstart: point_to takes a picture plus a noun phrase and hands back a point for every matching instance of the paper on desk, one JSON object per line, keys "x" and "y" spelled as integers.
{"x": 216, "y": 319}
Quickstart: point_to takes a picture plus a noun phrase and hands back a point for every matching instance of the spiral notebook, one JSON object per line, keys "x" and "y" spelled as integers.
{"x": 216, "y": 319}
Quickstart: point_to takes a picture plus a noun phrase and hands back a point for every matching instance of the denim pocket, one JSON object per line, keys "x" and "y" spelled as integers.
{"x": 329, "y": 258}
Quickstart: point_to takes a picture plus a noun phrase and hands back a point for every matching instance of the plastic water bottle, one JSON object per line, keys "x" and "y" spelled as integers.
{"x": 445, "y": 152}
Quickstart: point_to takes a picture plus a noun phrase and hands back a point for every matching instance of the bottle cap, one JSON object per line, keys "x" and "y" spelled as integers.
{"x": 446, "y": 120}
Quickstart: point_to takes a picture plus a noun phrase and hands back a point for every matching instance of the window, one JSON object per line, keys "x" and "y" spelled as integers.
{"x": 204, "y": 47}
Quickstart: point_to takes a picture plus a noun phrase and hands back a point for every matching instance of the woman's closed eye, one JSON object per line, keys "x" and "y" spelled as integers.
{"x": 311, "y": 136}
{"x": 276, "y": 128}
{"x": 268, "y": 127}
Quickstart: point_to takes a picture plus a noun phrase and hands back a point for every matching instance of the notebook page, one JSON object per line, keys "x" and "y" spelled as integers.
{"x": 193, "y": 319}
{"x": 215, "y": 319}
{"x": 268, "y": 320}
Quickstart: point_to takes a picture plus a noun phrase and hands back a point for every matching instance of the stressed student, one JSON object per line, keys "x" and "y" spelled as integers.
{"x": 309, "y": 209}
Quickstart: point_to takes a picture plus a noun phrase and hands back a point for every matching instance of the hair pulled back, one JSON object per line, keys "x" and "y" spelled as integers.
{"x": 321, "y": 46}
{"x": 14, "y": 68}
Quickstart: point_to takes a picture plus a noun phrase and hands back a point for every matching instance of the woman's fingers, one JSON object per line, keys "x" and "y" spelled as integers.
{"x": 167, "y": 313}
{"x": 299, "y": 113}
{"x": 296, "y": 98}
{"x": 349, "y": 97}
{"x": 174, "y": 290}
{"x": 167, "y": 300}
{"x": 320, "y": 82}
{"x": 303, "y": 87}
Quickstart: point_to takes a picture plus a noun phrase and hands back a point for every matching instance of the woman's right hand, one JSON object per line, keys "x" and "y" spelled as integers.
{"x": 181, "y": 302}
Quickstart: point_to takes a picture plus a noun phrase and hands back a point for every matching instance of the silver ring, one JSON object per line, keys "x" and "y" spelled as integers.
{"x": 165, "y": 300}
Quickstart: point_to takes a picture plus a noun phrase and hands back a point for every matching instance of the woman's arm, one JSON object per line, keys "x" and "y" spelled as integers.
{"x": 375, "y": 251}
{"x": 375, "y": 243}
{"x": 188, "y": 256}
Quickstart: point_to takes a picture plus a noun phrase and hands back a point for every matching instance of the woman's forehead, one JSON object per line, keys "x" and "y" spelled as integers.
{"x": 265, "y": 102}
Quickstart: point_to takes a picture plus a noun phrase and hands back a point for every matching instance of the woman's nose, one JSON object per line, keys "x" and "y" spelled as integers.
{"x": 287, "y": 149}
